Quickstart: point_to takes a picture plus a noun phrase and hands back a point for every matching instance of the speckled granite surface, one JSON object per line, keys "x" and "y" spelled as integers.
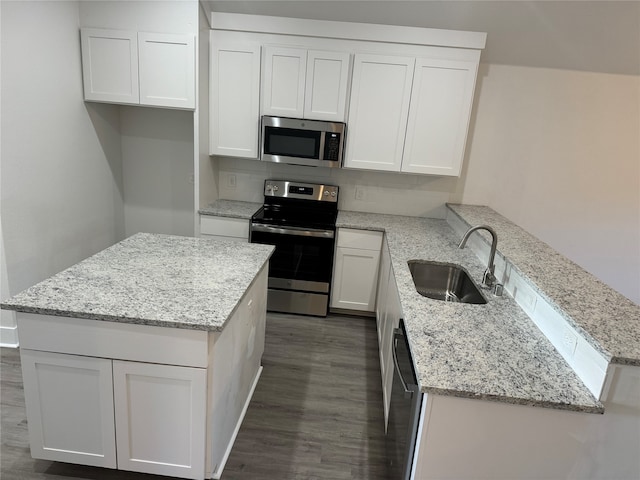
{"x": 606, "y": 319}
{"x": 150, "y": 279}
{"x": 491, "y": 351}
{"x": 231, "y": 208}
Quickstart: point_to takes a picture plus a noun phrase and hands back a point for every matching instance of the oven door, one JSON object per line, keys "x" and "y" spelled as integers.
{"x": 300, "y": 268}
{"x": 303, "y": 258}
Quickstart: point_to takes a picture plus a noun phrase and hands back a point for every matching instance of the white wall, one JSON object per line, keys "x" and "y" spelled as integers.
{"x": 60, "y": 158}
{"x": 555, "y": 151}
{"x": 558, "y": 153}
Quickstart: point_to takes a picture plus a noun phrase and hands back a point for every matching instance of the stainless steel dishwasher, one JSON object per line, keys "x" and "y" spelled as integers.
{"x": 404, "y": 410}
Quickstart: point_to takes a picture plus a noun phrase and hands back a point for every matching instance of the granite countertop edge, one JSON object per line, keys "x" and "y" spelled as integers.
{"x": 231, "y": 209}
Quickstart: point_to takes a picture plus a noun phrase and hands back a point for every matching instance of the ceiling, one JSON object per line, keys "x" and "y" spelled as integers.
{"x": 595, "y": 36}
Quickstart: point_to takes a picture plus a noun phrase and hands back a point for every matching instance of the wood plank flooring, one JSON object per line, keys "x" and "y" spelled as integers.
{"x": 316, "y": 412}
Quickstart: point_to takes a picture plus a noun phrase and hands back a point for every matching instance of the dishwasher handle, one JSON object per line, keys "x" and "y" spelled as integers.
{"x": 398, "y": 336}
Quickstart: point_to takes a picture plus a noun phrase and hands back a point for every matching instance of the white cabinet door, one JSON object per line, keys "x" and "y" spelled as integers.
{"x": 283, "y": 81}
{"x": 69, "y": 402}
{"x": 234, "y": 114}
{"x": 110, "y": 65}
{"x": 160, "y": 414}
{"x": 355, "y": 279}
{"x": 327, "y": 82}
{"x": 380, "y": 95}
{"x": 441, "y": 101}
{"x": 167, "y": 70}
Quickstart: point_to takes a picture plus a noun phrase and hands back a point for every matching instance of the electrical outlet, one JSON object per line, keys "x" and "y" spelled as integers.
{"x": 359, "y": 193}
{"x": 231, "y": 180}
{"x": 569, "y": 340}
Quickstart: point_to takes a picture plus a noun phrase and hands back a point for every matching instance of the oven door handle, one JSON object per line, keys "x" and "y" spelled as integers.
{"x": 298, "y": 231}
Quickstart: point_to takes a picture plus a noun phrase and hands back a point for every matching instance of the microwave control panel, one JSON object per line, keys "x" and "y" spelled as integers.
{"x": 332, "y": 146}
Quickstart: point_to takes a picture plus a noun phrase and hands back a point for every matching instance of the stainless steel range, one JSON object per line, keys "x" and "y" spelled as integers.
{"x": 300, "y": 220}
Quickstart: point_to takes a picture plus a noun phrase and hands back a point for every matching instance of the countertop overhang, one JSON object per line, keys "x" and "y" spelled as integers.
{"x": 152, "y": 279}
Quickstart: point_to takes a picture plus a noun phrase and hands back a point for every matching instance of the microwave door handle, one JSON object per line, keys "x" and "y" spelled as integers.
{"x": 321, "y": 150}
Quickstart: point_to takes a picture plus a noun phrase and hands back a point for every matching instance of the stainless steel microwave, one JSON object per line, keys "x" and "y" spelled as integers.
{"x": 302, "y": 142}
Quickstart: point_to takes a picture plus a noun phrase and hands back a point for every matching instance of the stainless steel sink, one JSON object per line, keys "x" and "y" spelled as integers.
{"x": 447, "y": 282}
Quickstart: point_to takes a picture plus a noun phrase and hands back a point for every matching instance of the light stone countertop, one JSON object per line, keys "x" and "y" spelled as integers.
{"x": 606, "y": 319}
{"x": 151, "y": 279}
{"x": 492, "y": 351}
{"x": 231, "y": 208}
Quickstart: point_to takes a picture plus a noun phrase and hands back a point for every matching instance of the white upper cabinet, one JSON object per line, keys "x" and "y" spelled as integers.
{"x": 110, "y": 65}
{"x": 410, "y": 114}
{"x": 234, "y": 82}
{"x": 441, "y": 101}
{"x": 167, "y": 70}
{"x": 302, "y": 83}
{"x": 138, "y": 68}
{"x": 283, "y": 81}
{"x": 326, "y": 86}
{"x": 380, "y": 96}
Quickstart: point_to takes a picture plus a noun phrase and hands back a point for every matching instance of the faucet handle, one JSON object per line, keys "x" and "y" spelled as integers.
{"x": 498, "y": 289}
{"x": 488, "y": 279}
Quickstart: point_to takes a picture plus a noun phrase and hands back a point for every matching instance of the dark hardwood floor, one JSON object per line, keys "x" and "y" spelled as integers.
{"x": 316, "y": 412}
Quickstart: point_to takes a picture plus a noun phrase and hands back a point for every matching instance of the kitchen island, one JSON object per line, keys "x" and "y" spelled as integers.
{"x": 144, "y": 356}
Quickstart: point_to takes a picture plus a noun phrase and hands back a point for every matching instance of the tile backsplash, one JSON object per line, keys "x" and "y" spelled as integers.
{"x": 360, "y": 190}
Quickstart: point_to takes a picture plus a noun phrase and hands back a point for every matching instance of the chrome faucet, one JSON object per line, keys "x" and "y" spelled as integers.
{"x": 489, "y": 279}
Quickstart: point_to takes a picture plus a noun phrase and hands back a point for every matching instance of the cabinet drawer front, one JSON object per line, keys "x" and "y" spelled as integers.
{"x": 362, "y": 239}
{"x": 95, "y": 338}
{"x": 224, "y": 226}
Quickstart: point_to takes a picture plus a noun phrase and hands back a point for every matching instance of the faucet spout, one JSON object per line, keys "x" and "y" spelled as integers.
{"x": 489, "y": 279}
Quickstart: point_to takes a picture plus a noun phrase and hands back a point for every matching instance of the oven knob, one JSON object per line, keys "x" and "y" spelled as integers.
{"x": 276, "y": 188}
{"x": 326, "y": 193}
{"x": 333, "y": 194}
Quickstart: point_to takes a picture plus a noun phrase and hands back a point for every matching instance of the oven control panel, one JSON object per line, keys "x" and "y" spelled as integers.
{"x": 304, "y": 191}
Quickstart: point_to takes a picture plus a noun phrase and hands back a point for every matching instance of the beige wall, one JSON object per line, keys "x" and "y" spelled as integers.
{"x": 558, "y": 153}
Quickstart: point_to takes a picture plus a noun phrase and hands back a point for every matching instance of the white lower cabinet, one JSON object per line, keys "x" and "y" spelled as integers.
{"x": 69, "y": 401}
{"x": 224, "y": 228}
{"x": 355, "y": 272}
{"x": 160, "y": 413}
{"x": 85, "y": 410}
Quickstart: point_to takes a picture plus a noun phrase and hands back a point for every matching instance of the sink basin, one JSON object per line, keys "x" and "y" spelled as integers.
{"x": 446, "y": 282}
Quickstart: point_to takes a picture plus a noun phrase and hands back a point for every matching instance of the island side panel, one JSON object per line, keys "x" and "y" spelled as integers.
{"x": 234, "y": 369}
